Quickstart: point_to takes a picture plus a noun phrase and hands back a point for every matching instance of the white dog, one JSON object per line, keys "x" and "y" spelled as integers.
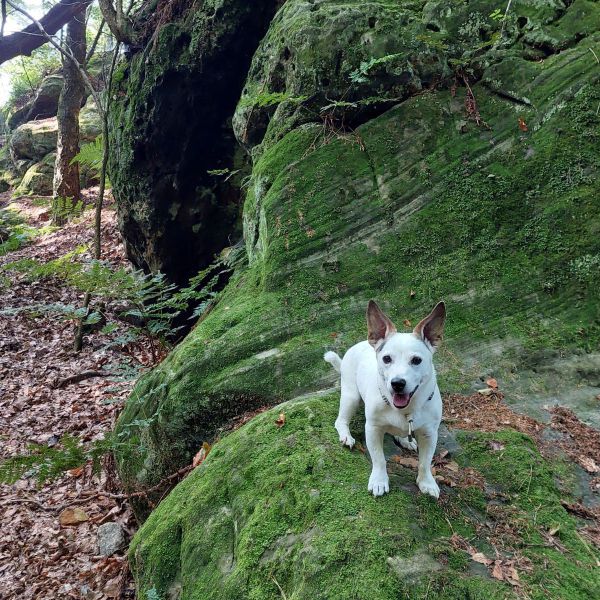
{"x": 394, "y": 375}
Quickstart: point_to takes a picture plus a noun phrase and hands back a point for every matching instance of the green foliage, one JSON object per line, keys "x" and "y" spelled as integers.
{"x": 154, "y": 301}
{"x": 43, "y": 461}
{"x": 64, "y": 209}
{"x": 14, "y": 233}
{"x": 26, "y": 73}
{"x": 360, "y": 75}
{"x": 152, "y": 594}
{"x": 90, "y": 155}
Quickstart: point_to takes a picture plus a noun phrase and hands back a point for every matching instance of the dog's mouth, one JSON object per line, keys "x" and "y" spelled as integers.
{"x": 402, "y": 400}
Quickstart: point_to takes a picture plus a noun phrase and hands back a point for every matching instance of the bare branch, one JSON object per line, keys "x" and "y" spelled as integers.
{"x": 64, "y": 51}
{"x": 24, "y": 42}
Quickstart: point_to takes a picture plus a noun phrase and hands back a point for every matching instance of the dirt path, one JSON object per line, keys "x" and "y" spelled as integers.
{"x": 41, "y": 556}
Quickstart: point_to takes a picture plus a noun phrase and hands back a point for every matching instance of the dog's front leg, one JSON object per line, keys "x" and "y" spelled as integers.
{"x": 379, "y": 482}
{"x": 427, "y": 441}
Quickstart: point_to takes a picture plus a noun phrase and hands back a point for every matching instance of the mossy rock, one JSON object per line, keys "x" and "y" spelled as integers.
{"x": 417, "y": 204}
{"x": 42, "y": 106}
{"x": 284, "y": 512}
{"x": 38, "y": 179}
{"x": 175, "y": 166}
{"x": 35, "y": 139}
{"x": 344, "y": 62}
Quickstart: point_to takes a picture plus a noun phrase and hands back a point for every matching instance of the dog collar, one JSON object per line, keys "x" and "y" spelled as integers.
{"x": 409, "y": 418}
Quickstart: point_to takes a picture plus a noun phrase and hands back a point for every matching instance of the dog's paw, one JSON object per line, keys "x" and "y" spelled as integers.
{"x": 379, "y": 485}
{"x": 403, "y": 441}
{"x": 429, "y": 486}
{"x": 348, "y": 440}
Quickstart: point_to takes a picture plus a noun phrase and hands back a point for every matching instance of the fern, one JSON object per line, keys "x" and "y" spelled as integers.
{"x": 90, "y": 154}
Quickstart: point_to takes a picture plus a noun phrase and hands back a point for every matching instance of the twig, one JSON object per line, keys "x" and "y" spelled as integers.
{"x": 95, "y": 42}
{"x": 79, "y": 377}
{"x": 279, "y": 587}
{"x": 587, "y": 547}
{"x": 26, "y": 501}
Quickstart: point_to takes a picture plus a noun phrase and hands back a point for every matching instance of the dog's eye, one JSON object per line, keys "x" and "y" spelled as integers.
{"x": 387, "y": 359}
{"x": 416, "y": 360}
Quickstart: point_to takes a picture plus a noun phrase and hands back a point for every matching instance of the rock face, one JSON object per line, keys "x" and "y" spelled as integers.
{"x": 480, "y": 189}
{"x": 171, "y": 133}
{"x": 42, "y": 106}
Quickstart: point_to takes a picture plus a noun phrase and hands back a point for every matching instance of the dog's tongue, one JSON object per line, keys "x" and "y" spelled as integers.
{"x": 401, "y": 400}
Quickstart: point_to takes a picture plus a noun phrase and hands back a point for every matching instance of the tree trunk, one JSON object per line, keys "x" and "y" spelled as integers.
{"x": 66, "y": 175}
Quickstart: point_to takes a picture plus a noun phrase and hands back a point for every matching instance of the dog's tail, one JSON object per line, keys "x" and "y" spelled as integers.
{"x": 334, "y": 360}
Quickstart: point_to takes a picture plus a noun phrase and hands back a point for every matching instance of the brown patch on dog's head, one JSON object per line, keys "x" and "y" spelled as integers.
{"x": 431, "y": 328}
{"x": 379, "y": 324}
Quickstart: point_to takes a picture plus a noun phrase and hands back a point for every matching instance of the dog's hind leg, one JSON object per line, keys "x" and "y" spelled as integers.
{"x": 349, "y": 402}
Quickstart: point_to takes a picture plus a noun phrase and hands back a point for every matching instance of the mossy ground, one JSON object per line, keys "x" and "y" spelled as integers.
{"x": 416, "y": 205}
{"x": 276, "y": 511}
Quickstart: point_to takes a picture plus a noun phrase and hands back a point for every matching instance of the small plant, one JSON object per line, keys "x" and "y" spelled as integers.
{"x": 90, "y": 155}
{"x": 64, "y": 209}
{"x": 14, "y": 233}
{"x": 361, "y": 75}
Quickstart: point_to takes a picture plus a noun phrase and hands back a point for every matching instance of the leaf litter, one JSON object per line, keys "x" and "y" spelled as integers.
{"x": 48, "y": 543}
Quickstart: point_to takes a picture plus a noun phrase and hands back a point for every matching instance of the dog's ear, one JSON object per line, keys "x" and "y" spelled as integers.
{"x": 378, "y": 324}
{"x": 431, "y": 328}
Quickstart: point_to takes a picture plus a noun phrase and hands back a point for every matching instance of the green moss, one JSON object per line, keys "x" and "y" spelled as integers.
{"x": 289, "y": 507}
{"x": 415, "y": 205}
{"x": 534, "y": 501}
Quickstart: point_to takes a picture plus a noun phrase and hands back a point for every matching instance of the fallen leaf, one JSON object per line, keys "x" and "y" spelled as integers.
{"x": 496, "y": 446}
{"x": 554, "y": 530}
{"x": 588, "y": 464}
{"x": 361, "y": 448}
{"x": 280, "y": 421}
{"x": 405, "y": 461}
{"x": 76, "y": 472}
{"x": 407, "y": 323}
{"x": 201, "y": 454}
{"x": 497, "y": 572}
{"x": 480, "y": 557}
{"x": 333, "y": 334}
{"x": 72, "y": 516}
{"x": 452, "y": 466}
{"x": 412, "y": 293}
{"x": 486, "y": 391}
{"x": 522, "y": 125}
{"x": 443, "y": 453}
{"x": 491, "y": 382}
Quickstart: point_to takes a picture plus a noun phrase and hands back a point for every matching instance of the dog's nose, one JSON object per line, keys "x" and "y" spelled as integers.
{"x": 398, "y": 384}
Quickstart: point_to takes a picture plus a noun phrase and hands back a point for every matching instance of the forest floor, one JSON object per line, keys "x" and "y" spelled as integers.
{"x": 48, "y": 546}
{"x": 48, "y": 530}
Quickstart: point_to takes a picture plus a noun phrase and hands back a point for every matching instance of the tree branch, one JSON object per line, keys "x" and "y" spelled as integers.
{"x": 95, "y": 42}
{"x": 43, "y": 34}
{"x": 24, "y": 42}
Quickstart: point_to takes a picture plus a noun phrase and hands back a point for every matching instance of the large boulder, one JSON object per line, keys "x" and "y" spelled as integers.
{"x": 34, "y": 140}
{"x": 485, "y": 196}
{"x": 38, "y": 178}
{"x": 174, "y": 153}
{"x": 42, "y": 106}
{"x": 284, "y": 512}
